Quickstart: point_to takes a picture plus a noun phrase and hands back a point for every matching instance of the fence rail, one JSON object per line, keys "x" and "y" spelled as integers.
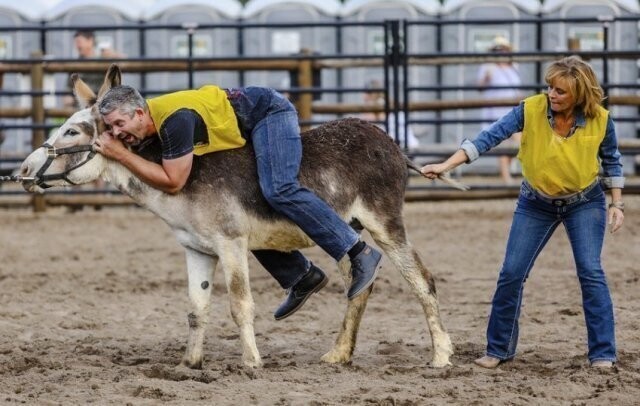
{"x": 394, "y": 64}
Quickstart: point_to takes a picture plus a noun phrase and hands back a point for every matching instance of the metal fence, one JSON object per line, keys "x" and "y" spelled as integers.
{"x": 327, "y": 86}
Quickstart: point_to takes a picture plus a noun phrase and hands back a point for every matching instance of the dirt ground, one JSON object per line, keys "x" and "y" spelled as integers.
{"x": 93, "y": 309}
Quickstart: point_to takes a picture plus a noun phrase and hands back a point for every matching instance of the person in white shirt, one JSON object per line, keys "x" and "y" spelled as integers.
{"x": 500, "y": 74}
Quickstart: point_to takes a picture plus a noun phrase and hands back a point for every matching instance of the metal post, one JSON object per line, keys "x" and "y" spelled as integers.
{"x": 338, "y": 28}
{"x": 606, "y": 21}
{"x": 37, "y": 117}
{"x": 438, "y": 129}
{"x": 190, "y": 36}
{"x": 191, "y": 29}
{"x": 405, "y": 84}
{"x": 143, "y": 52}
{"x": 43, "y": 36}
{"x": 240, "y": 50}
{"x": 538, "y": 65}
{"x": 395, "y": 68}
{"x": 387, "y": 64}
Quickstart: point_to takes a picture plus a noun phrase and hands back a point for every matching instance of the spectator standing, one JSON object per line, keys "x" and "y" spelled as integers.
{"x": 86, "y": 47}
{"x": 506, "y": 77}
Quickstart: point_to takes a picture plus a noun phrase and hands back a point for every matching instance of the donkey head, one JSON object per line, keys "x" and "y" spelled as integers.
{"x": 67, "y": 157}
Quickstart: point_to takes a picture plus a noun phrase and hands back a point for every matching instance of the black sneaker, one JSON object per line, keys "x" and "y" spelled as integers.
{"x": 364, "y": 269}
{"x": 311, "y": 283}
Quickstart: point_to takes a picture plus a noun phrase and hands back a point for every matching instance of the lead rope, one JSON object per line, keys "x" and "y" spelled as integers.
{"x": 17, "y": 178}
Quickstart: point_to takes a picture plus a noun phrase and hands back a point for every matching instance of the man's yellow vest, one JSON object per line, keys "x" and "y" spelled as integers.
{"x": 555, "y": 165}
{"x": 211, "y": 103}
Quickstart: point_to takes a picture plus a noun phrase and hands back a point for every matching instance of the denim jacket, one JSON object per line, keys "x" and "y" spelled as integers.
{"x": 513, "y": 122}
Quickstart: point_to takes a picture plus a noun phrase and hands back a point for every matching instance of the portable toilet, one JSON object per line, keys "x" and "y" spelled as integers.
{"x": 622, "y": 36}
{"x": 367, "y": 39}
{"x": 207, "y": 42}
{"x": 94, "y": 13}
{"x": 290, "y": 40}
{"x": 16, "y": 43}
{"x": 15, "y": 15}
{"x": 479, "y": 38}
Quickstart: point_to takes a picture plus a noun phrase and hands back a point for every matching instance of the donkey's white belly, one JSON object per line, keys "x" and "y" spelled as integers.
{"x": 207, "y": 236}
{"x": 280, "y": 235}
{"x": 260, "y": 234}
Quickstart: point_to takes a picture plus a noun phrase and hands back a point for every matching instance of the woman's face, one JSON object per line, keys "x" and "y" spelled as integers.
{"x": 560, "y": 96}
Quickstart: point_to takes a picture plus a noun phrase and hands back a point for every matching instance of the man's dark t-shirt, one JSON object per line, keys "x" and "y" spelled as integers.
{"x": 180, "y": 131}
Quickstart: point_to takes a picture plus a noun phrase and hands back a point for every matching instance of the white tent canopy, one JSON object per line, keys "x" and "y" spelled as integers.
{"x": 425, "y": 6}
{"x": 228, "y": 8}
{"x": 530, "y": 6}
{"x": 31, "y": 9}
{"x": 130, "y": 9}
{"x": 550, "y": 6}
{"x": 328, "y": 7}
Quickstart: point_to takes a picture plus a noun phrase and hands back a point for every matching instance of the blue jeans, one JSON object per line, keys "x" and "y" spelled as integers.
{"x": 270, "y": 122}
{"x": 534, "y": 222}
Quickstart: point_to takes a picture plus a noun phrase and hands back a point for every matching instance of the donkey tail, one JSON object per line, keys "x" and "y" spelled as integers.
{"x": 444, "y": 177}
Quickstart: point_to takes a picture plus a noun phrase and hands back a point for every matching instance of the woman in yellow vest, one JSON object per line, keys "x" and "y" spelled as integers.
{"x": 566, "y": 138}
{"x": 210, "y": 119}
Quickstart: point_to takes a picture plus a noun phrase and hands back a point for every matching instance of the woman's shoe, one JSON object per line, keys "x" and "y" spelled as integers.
{"x": 602, "y": 364}
{"x": 487, "y": 362}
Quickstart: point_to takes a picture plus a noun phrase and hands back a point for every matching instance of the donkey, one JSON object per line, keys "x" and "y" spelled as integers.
{"x": 221, "y": 214}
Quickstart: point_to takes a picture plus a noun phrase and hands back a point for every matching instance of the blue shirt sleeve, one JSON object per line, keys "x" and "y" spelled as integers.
{"x": 499, "y": 131}
{"x": 610, "y": 158}
{"x": 177, "y": 134}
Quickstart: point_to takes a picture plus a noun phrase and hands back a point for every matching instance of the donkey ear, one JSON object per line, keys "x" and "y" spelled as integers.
{"x": 111, "y": 79}
{"x": 83, "y": 93}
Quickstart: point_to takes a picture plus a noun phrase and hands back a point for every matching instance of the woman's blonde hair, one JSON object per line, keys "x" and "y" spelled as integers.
{"x": 582, "y": 81}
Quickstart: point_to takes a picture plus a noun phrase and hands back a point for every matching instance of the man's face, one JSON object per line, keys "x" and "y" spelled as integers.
{"x": 85, "y": 46}
{"x": 130, "y": 130}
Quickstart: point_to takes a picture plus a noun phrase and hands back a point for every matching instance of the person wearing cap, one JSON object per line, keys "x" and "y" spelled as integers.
{"x": 500, "y": 81}
{"x": 567, "y": 138}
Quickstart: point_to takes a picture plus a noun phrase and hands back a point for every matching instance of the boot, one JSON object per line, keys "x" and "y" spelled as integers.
{"x": 311, "y": 283}
{"x": 364, "y": 269}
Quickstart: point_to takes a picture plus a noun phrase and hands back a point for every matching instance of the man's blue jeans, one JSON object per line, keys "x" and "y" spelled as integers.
{"x": 271, "y": 122}
{"x": 533, "y": 224}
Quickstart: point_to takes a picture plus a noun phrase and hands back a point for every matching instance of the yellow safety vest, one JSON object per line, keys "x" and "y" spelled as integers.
{"x": 211, "y": 103}
{"x": 555, "y": 165}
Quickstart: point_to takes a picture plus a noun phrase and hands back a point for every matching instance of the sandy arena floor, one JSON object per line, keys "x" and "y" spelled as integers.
{"x": 93, "y": 310}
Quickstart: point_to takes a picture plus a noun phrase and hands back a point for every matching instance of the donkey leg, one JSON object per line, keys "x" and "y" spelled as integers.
{"x": 200, "y": 268}
{"x": 236, "y": 272}
{"x": 346, "y": 340}
{"x": 389, "y": 233}
{"x": 406, "y": 259}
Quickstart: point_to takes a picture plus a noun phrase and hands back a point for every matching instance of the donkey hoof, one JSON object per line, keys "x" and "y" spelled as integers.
{"x": 191, "y": 364}
{"x": 252, "y": 363}
{"x": 335, "y": 357}
{"x": 440, "y": 363}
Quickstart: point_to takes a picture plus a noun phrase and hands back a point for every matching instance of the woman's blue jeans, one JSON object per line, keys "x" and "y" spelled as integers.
{"x": 533, "y": 224}
{"x": 271, "y": 122}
